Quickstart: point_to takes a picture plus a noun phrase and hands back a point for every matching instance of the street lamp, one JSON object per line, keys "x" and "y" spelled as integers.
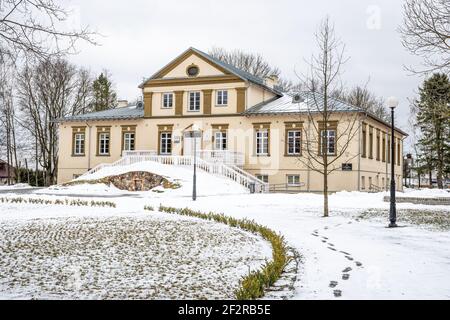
{"x": 392, "y": 103}
{"x": 195, "y": 133}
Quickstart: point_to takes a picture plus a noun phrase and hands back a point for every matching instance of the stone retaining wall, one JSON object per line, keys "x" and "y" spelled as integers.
{"x": 416, "y": 200}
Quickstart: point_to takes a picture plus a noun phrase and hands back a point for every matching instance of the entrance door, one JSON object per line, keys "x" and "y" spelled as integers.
{"x": 189, "y": 140}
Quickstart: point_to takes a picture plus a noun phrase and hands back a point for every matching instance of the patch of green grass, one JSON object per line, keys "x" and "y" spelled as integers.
{"x": 256, "y": 282}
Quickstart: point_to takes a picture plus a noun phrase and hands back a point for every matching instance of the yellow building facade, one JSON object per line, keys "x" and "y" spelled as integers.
{"x": 242, "y": 118}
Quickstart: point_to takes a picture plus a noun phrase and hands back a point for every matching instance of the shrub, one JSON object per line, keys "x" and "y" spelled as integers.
{"x": 256, "y": 282}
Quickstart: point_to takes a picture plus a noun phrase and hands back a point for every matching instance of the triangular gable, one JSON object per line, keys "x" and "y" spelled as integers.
{"x": 186, "y": 58}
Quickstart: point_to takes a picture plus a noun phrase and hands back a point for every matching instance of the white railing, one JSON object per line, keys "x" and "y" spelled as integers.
{"x": 232, "y": 172}
{"x": 223, "y": 156}
{"x": 139, "y": 153}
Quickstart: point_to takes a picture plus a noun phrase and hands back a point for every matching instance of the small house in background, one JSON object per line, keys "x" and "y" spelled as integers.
{"x": 4, "y": 173}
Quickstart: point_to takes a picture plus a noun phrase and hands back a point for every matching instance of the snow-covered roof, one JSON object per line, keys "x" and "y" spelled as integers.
{"x": 130, "y": 112}
{"x": 310, "y": 102}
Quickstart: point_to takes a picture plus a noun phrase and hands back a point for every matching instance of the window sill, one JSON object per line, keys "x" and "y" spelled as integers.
{"x": 293, "y": 155}
{"x": 103, "y": 155}
{"x": 195, "y": 111}
{"x": 261, "y": 155}
{"x": 78, "y": 155}
{"x": 221, "y": 105}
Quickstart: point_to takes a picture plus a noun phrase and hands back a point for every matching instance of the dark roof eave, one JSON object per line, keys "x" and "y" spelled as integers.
{"x": 61, "y": 120}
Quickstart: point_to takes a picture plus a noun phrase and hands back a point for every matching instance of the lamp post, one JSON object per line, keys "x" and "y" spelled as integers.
{"x": 392, "y": 103}
{"x": 195, "y": 131}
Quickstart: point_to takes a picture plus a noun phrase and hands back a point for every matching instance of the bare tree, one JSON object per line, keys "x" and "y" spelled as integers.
{"x": 37, "y": 27}
{"x": 361, "y": 97}
{"x": 49, "y": 90}
{"x": 426, "y": 33}
{"x": 324, "y": 141}
{"x": 252, "y": 63}
{"x": 7, "y": 118}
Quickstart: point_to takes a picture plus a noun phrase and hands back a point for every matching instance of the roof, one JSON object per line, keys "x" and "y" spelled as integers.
{"x": 311, "y": 102}
{"x": 244, "y": 75}
{"x": 125, "y": 113}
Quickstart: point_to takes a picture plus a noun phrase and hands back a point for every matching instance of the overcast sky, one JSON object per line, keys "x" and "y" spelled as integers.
{"x": 141, "y": 36}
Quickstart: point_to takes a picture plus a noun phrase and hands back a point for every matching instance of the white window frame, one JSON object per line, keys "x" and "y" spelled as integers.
{"x": 293, "y": 139}
{"x": 327, "y": 135}
{"x": 222, "y": 98}
{"x": 262, "y": 142}
{"x": 165, "y": 143}
{"x": 104, "y": 144}
{"x": 78, "y": 140}
{"x": 221, "y": 140}
{"x": 293, "y": 177}
{"x": 167, "y": 100}
{"x": 197, "y": 101}
{"x": 129, "y": 137}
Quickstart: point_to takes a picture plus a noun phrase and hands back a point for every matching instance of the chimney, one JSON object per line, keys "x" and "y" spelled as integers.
{"x": 271, "y": 81}
{"x": 122, "y": 103}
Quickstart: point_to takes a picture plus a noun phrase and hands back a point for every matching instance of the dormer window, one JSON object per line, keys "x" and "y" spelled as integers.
{"x": 192, "y": 71}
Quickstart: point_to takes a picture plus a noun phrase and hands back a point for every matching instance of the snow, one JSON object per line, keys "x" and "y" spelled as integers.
{"x": 410, "y": 262}
{"x": 69, "y": 253}
{"x": 425, "y": 193}
{"x": 15, "y": 186}
{"x": 206, "y": 184}
{"x": 98, "y": 189}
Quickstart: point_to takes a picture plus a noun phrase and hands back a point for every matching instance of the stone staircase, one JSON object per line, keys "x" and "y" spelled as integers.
{"x": 215, "y": 167}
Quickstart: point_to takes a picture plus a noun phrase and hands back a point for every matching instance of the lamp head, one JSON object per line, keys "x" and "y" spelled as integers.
{"x": 392, "y": 102}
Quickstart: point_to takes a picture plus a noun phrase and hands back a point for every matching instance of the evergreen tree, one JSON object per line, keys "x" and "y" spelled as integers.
{"x": 433, "y": 114}
{"x": 103, "y": 93}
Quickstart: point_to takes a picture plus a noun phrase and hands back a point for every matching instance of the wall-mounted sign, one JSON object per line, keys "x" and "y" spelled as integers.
{"x": 176, "y": 139}
{"x": 347, "y": 167}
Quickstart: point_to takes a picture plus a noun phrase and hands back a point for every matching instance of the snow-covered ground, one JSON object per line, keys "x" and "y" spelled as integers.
{"x": 92, "y": 253}
{"x": 425, "y": 193}
{"x": 15, "y": 186}
{"x": 207, "y": 184}
{"x": 350, "y": 252}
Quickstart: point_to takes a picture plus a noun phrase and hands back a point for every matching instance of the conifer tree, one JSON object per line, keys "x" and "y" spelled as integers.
{"x": 433, "y": 114}
{"x": 104, "y": 95}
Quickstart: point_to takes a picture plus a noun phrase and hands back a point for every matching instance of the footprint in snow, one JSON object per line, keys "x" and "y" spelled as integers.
{"x": 333, "y": 284}
{"x": 345, "y": 276}
{"x": 348, "y": 269}
{"x": 359, "y": 264}
{"x": 337, "y": 293}
{"x": 349, "y": 258}
{"x": 331, "y": 248}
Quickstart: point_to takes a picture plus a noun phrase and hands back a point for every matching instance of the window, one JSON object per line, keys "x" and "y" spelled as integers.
{"x": 383, "y": 154}
{"x": 293, "y": 180}
{"x": 263, "y": 177}
{"x": 370, "y": 143}
{"x": 220, "y": 140}
{"x": 167, "y": 100}
{"x": 194, "y": 101}
{"x": 399, "y": 151}
{"x": 389, "y": 149}
{"x": 222, "y": 98}
{"x": 192, "y": 71}
{"x": 363, "y": 183}
{"x": 370, "y": 182}
{"x": 262, "y": 142}
{"x": 165, "y": 143}
{"x": 364, "y": 139}
{"x": 128, "y": 141}
{"x": 75, "y": 176}
{"x": 103, "y": 144}
{"x": 378, "y": 146}
{"x": 294, "y": 142}
{"x": 78, "y": 149}
{"x": 329, "y": 142}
